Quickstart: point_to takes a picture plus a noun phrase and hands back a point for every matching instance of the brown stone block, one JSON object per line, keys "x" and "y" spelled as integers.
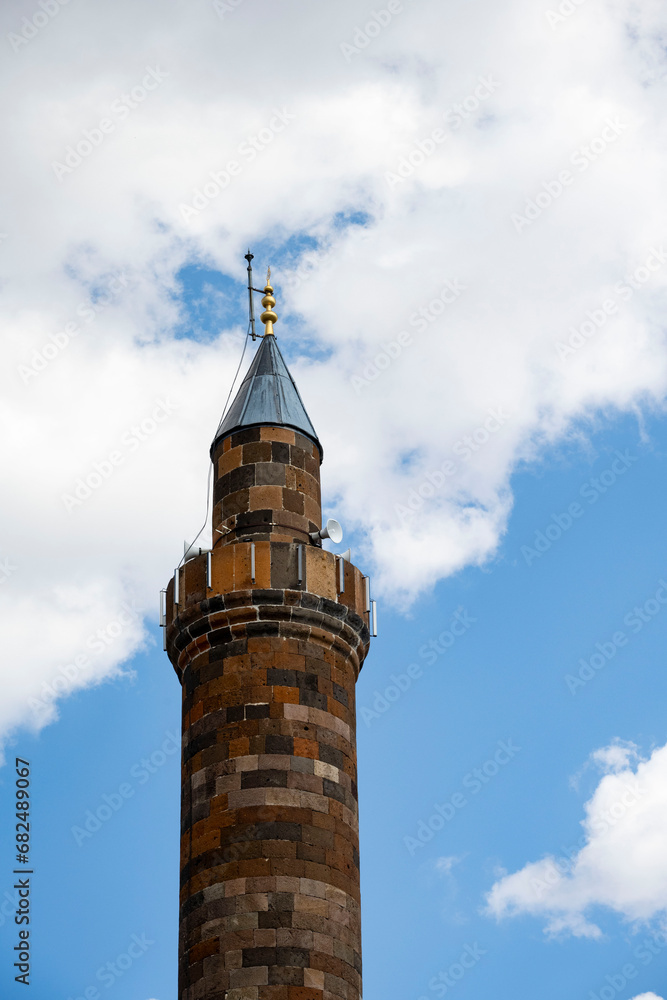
{"x": 259, "y": 645}
{"x": 287, "y": 695}
{"x": 256, "y": 451}
{"x": 304, "y": 992}
{"x": 230, "y": 459}
{"x": 262, "y": 565}
{"x": 203, "y": 950}
{"x": 236, "y": 503}
{"x": 320, "y": 573}
{"x": 293, "y": 501}
{"x": 254, "y": 867}
{"x": 274, "y": 993}
{"x": 239, "y": 747}
{"x": 222, "y": 569}
{"x": 266, "y": 498}
{"x": 312, "y": 510}
{"x": 277, "y": 434}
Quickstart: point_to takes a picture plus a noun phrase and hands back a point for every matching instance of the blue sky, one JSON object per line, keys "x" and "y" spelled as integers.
{"x": 463, "y": 207}
{"x": 501, "y": 682}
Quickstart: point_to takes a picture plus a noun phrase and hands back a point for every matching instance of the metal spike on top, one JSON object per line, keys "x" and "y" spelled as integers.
{"x": 268, "y": 317}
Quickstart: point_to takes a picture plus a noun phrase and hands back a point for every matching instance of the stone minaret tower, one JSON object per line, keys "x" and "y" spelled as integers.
{"x": 267, "y": 633}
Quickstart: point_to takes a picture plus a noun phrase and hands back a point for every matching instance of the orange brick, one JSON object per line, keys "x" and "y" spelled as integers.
{"x": 277, "y": 434}
{"x": 231, "y": 459}
{"x": 305, "y": 748}
{"x": 239, "y": 748}
{"x": 286, "y": 695}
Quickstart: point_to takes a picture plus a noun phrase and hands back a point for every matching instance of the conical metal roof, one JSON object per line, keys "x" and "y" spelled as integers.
{"x": 268, "y": 397}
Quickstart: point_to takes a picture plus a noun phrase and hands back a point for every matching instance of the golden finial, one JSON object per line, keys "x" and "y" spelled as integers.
{"x": 268, "y": 317}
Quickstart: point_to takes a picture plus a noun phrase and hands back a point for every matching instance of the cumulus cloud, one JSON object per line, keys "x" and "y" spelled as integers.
{"x": 453, "y": 301}
{"x": 648, "y": 996}
{"x": 620, "y": 864}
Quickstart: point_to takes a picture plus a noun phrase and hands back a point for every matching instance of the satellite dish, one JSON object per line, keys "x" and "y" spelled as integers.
{"x": 332, "y": 530}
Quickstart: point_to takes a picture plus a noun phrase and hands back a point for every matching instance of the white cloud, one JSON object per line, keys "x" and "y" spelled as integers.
{"x": 621, "y": 864}
{"x": 481, "y": 384}
{"x": 648, "y": 996}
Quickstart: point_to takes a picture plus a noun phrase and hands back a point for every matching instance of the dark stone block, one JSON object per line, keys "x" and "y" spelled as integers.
{"x": 258, "y": 956}
{"x": 333, "y": 790}
{"x": 275, "y": 918}
{"x": 340, "y": 694}
{"x": 297, "y": 457}
{"x": 264, "y": 779}
{"x": 235, "y": 713}
{"x": 257, "y": 711}
{"x": 241, "y": 478}
{"x": 281, "y": 901}
{"x": 332, "y": 608}
{"x": 296, "y": 957}
{"x": 253, "y": 519}
{"x": 331, "y": 756}
{"x": 285, "y": 977}
{"x": 199, "y": 628}
{"x": 309, "y": 682}
{"x": 313, "y": 699}
{"x": 246, "y": 436}
{"x": 279, "y": 744}
{"x": 267, "y": 597}
{"x": 280, "y": 452}
{"x": 284, "y": 678}
{"x": 220, "y": 636}
{"x": 270, "y": 474}
{"x": 261, "y": 629}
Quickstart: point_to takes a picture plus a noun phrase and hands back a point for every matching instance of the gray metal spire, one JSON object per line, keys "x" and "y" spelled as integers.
{"x": 268, "y": 397}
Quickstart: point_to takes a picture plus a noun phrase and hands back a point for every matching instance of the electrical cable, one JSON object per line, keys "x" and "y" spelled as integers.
{"x": 210, "y": 468}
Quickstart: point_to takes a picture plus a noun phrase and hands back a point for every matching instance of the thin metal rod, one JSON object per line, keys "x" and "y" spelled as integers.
{"x": 341, "y": 575}
{"x": 177, "y": 581}
{"x": 299, "y": 560}
{"x": 374, "y": 619}
{"x": 163, "y": 608}
{"x": 367, "y": 584}
{"x": 249, "y": 257}
{"x": 208, "y": 569}
{"x": 252, "y": 562}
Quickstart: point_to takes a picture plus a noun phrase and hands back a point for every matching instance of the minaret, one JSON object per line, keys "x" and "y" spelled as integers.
{"x": 267, "y": 633}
